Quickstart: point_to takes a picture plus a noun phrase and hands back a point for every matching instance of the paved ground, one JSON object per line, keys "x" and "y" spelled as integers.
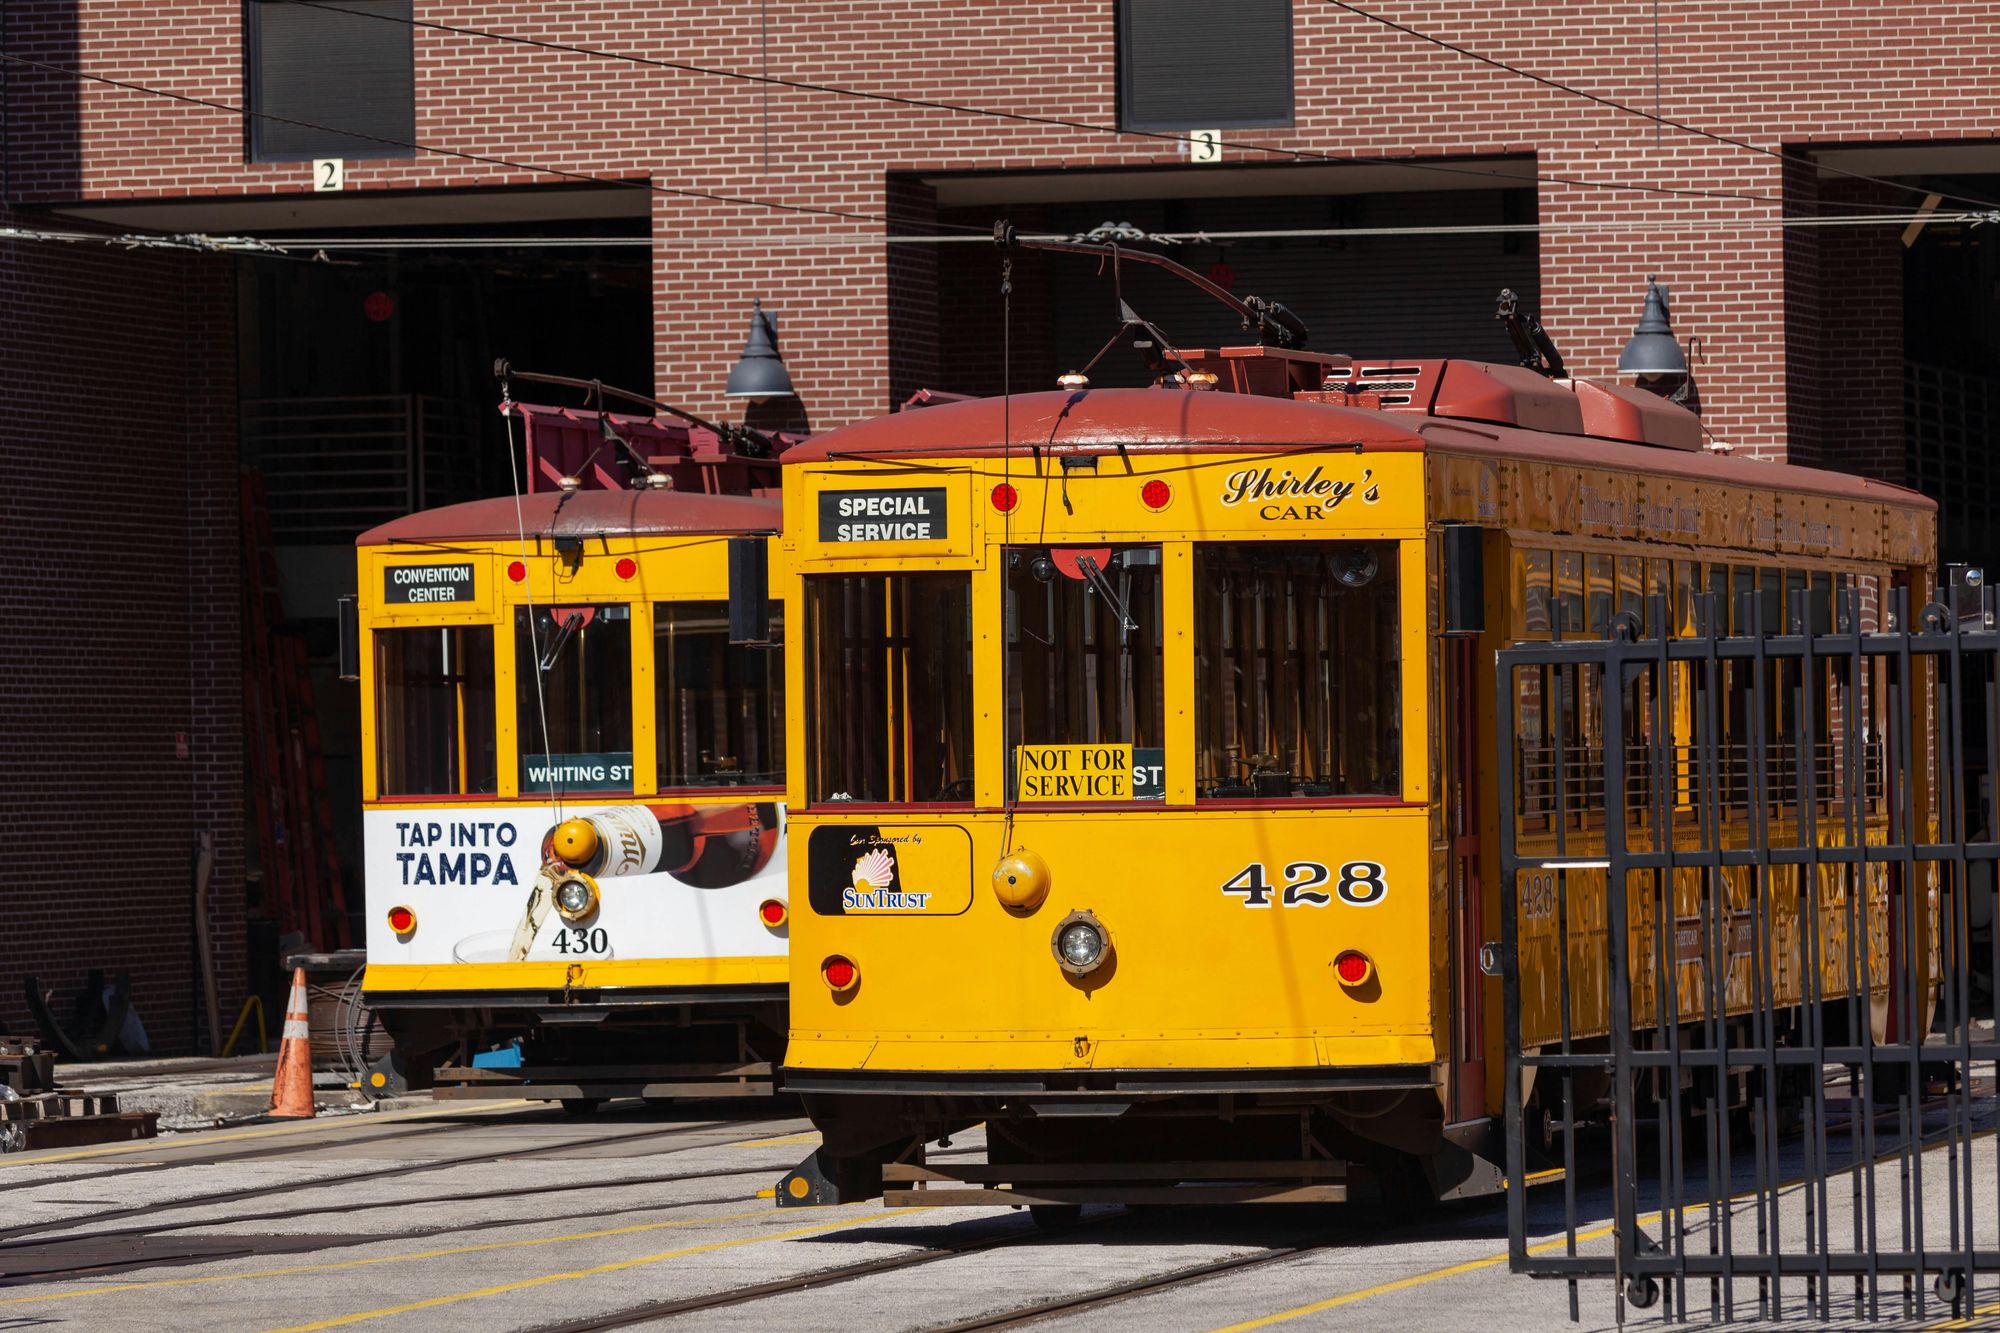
{"x": 515, "y": 1216}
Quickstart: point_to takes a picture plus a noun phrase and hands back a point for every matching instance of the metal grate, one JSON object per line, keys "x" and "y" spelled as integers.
{"x": 1950, "y": 422}
{"x": 1740, "y": 983}
{"x": 334, "y": 467}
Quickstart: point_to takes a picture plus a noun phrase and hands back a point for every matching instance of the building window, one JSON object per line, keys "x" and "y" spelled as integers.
{"x": 350, "y": 74}
{"x": 1200, "y": 64}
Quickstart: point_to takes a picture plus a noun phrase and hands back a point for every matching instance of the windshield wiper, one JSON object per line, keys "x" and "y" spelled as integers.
{"x": 1110, "y": 595}
{"x": 571, "y": 624}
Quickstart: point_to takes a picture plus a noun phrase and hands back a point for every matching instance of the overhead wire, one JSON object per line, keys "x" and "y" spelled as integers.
{"x": 1612, "y": 103}
{"x": 1019, "y": 117}
{"x": 481, "y": 158}
{"x": 306, "y": 247}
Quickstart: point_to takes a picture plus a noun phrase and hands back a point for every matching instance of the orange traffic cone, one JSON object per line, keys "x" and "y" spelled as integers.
{"x": 292, "y": 1085}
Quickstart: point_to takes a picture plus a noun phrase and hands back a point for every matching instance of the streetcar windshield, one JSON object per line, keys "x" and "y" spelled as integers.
{"x": 889, "y": 688}
{"x": 721, "y": 718}
{"x": 434, "y": 733}
{"x": 1085, "y": 665}
{"x": 573, "y": 676}
{"x": 1298, "y": 670}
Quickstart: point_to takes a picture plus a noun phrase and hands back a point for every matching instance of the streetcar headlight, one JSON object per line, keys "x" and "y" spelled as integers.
{"x": 1081, "y": 944}
{"x": 576, "y": 896}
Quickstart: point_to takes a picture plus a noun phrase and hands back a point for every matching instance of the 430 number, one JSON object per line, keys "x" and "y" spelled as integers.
{"x": 575, "y": 939}
{"x": 1360, "y": 884}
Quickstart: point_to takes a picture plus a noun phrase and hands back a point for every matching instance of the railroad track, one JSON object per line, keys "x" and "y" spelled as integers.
{"x": 9, "y": 1237}
{"x": 1009, "y": 1318}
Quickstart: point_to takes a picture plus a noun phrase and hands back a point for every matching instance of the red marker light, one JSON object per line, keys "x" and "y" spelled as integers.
{"x": 402, "y": 920}
{"x": 517, "y": 571}
{"x": 840, "y": 974}
{"x": 772, "y": 912}
{"x": 1353, "y": 968}
{"x": 1005, "y": 497}
{"x": 627, "y": 567}
{"x": 1156, "y": 494}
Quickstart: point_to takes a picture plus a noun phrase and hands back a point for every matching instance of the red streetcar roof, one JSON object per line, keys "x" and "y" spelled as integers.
{"x": 1162, "y": 420}
{"x": 1106, "y": 420}
{"x": 587, "y": 513}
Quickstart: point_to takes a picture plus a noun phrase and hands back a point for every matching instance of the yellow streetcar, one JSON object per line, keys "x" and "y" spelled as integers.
{"x": 572, "y": 776}
{"x": 1143, "y": 771}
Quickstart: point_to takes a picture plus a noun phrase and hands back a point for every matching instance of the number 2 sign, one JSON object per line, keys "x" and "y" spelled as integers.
{"x": 329, "y": 173}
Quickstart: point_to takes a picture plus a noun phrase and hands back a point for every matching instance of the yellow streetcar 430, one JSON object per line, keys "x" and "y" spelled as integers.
{"x": 573, "y": 775}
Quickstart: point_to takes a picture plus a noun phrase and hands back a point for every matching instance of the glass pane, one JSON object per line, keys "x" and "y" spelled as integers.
{"x": 1084, "y": 661}
{"x": 574, "y": 710}
{"x": 1298, "y": 671}
{"x": 434, "y": 728}
{"x": 720, "y": 707}
{"x": 1569, "y": 590}
{"x": 1539, "y": 602}
{"x": 889, "y": 705}
{"x": 1600, "y": 592}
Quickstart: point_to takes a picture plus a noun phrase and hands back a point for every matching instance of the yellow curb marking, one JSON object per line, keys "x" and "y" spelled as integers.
{"x": 618, "y": 1267}
{"x": 204, "y": 1139}
{"x": 337, "y": 1265}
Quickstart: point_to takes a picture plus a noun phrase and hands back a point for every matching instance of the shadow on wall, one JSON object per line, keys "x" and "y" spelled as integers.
{"x": 40, "y": 109}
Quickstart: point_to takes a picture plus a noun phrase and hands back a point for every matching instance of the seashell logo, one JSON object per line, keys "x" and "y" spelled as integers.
{"x": 875, "y": 870}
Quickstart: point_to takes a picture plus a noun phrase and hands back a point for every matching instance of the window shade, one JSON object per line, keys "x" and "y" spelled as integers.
{"x": 347, "y": 72}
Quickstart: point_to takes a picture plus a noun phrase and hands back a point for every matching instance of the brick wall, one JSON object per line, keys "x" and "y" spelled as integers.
{"x": 116, "y": 380}
{"x": 118, "y": 535}
{"x": 1793, "y": 72}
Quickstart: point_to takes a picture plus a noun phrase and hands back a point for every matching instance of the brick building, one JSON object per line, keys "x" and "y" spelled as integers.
{"x": 587, "y": 215}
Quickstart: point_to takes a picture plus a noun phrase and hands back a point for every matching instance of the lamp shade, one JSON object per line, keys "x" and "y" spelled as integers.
{"x": 1653, "y": 349}
{"x": 759, "y": 373}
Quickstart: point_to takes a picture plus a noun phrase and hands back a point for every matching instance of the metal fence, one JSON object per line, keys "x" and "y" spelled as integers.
{"x": 335, "y": 467}
{"x": 1746, "y": 962}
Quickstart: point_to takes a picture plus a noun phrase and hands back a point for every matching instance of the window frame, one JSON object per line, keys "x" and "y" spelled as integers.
{"x": 255, "y": 126}
{"x": 1125, "y": 96}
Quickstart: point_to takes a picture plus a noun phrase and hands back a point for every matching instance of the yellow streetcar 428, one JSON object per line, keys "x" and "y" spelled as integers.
{"x": 1142, "y": 781}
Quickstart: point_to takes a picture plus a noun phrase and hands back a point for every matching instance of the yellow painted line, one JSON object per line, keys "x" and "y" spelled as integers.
{"x": 767, "y": 1194}
{"x": 202, "y": 1140}
{"x": 337, "y": 1265}
{"x": 598, "y": 1270}
{"x": 1534, "y": 1178}
{"x": 1415, "y": 1280}
{"x": 1495, "y": 1260}
{"x": 778, "y": 1143}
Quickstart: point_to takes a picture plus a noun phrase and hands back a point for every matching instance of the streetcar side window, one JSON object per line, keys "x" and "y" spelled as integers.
{"x": 434, "y": 730}
{"x": 1085, "y": 662}
{"x": 573, "y": 676}
{"x": 721, "y": 706}
{"x": 888, "y": 708}
{"x": 1298, "y": 670}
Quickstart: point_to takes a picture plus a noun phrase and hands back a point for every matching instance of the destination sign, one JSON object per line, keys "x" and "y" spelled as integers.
{"x": 901, "y": 514}
{"x": 403, "y": 585}
{"x": 1090, "y": 773}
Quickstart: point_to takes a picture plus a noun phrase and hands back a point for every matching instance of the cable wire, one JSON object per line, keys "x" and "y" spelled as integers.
{"x": 1614, "y": 104}
{"x": 484, "y": 159}
{"x": 1018, "y": 117}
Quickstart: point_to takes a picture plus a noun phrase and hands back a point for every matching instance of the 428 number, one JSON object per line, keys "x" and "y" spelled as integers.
{"x": 575, "y": 939}
{"x": 1360, "y": 884}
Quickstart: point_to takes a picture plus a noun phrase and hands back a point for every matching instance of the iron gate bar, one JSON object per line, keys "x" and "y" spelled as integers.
{"x": 1912, "y": 680}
